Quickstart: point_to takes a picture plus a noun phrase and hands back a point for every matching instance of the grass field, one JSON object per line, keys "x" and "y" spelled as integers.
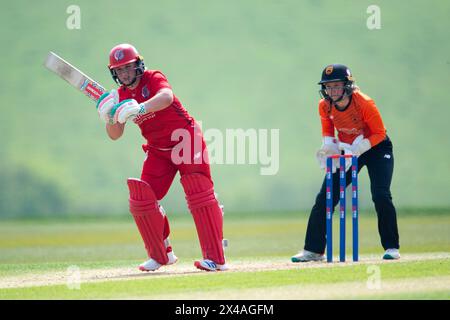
{"x": 37, "y": 261}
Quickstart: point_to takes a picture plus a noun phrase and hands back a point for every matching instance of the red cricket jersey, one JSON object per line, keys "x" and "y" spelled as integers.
{"x": 157, "y": 127}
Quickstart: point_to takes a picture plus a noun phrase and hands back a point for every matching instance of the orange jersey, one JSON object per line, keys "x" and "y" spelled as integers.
{"x": 360, "y": 117}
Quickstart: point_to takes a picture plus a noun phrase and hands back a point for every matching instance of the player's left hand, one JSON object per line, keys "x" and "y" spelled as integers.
{"x": 127, "y": 109}
{"x": 357, "y": 148}
{"x": 360, "y": 147}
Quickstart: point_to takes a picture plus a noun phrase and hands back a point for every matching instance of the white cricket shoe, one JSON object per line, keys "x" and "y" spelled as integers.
{"x": 391, "y": 254}
{"x": 209, "y": 265}
{"x": 306, "y": 256}
{"x": 153, "y": 265}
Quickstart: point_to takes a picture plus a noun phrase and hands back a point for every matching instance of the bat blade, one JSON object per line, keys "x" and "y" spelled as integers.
{"x": 74, "y": 76}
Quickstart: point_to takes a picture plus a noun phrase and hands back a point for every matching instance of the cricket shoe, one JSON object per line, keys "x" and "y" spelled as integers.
{"x": 307, "y": 256}
{"x": 209, "y": 265}
{"x": 391, "y": 254}
{"x": 153, "y": 265}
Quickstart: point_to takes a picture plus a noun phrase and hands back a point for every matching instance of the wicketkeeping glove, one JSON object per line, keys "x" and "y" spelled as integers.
{"x": 357, "y": 148}
{"x": 360, "y": 147}
{"x": 329, "y": 147}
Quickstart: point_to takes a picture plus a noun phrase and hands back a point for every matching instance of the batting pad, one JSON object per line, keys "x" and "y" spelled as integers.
{"x": 207, "y": 214}
{"x": 149, "y": 219}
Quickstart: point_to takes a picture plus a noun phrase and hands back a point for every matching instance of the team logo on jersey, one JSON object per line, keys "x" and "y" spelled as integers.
{"x": 356, "y": 118}
{"x": 145, "y": 92}
{"x": 118, "y": 55}
{"x": 329, "y": 70}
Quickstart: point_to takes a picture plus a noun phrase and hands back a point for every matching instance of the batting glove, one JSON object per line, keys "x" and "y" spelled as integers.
{"x": 105, "y": 104}
{"x": 127, "y": 109}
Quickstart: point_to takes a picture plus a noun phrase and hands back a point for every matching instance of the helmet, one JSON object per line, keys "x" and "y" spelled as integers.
{"x": 121, "y": 55}
{"x": 337, "y": 72}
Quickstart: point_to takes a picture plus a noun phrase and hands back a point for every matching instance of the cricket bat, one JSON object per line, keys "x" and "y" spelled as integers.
{"x": 73, "y": 76}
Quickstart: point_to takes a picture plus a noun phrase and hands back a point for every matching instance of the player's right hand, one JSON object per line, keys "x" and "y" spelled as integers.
{"x": 105, "y": 104}
{"x": 329, "y": 147}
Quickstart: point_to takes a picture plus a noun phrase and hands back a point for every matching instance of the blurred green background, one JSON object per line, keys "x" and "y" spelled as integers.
{"x": 233, "y": 64}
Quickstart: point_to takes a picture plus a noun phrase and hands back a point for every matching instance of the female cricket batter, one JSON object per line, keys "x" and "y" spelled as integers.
{"x": 361, "y": 132}
{"x": 146, "y": 98}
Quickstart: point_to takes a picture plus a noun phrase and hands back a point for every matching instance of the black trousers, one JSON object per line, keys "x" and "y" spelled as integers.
{"x": 380, "y": 165}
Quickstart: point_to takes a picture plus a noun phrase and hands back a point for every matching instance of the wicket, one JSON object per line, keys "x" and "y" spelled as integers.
{"x": 342, "y": 209}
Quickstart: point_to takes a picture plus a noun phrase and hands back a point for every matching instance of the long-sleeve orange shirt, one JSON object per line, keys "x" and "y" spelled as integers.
{"x": 360, "y": 117}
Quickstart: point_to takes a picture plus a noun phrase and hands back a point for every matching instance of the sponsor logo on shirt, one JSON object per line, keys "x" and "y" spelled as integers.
{"x": 143, "y": 117}
{"x": 351, "y": 131}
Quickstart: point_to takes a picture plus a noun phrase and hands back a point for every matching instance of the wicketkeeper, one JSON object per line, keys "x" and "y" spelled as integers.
{"x": 361, "y": 132}
{"x": 174, "y": 144}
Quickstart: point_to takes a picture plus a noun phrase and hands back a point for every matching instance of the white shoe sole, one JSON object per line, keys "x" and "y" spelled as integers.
{"x": 172, "y": 260}
{"x": 199, "y": 265}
